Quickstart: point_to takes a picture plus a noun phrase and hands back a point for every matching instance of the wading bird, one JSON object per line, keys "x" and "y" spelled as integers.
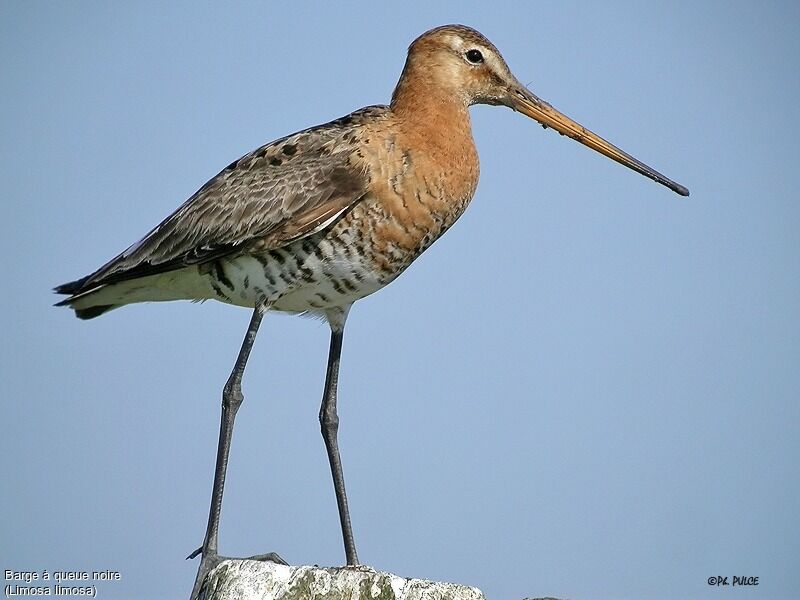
{"x": 312, "y": 222}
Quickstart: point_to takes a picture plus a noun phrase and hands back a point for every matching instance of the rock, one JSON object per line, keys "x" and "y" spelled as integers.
{"x": 256, "y": 580}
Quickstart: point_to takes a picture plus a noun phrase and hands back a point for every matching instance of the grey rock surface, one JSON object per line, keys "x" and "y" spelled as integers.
{"x": 256, "y": 580}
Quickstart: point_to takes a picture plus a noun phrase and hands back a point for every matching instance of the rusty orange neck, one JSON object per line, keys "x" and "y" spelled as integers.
{"x": 426, "y": 98}
{"x": 434, "y": 119}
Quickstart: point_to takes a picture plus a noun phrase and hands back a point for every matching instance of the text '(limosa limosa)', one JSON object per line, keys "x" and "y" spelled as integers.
{"x": 312, "y": 222}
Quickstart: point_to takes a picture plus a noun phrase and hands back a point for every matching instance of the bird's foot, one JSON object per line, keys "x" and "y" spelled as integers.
{"x": 210, "y": 560}
{"x": 269, "y": 557}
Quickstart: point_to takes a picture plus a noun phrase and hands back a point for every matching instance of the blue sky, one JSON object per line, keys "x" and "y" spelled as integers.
{"x": 588, "y": 388}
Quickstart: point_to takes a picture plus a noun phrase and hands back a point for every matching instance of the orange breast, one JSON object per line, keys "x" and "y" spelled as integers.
{"x": 421, "y": 181}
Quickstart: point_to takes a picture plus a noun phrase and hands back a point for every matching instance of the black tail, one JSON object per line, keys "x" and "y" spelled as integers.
{"x": 76, "y": 287}
{"x": 91, "y": 313}
{"x": 71, "y": 288}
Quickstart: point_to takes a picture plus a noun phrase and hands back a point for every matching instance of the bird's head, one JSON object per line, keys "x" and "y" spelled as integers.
{"x": 458, "y": 64}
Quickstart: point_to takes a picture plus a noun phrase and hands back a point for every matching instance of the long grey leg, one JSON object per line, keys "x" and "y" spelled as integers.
{"x": 329, "y": 421}
{"x": 231, "y": 401}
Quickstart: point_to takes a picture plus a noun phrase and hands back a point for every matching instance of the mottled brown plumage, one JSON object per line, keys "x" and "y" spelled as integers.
{"x": 319, "y": 219}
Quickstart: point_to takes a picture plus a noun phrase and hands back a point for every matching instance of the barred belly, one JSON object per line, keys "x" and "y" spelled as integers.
{"x": 313, "y": 274}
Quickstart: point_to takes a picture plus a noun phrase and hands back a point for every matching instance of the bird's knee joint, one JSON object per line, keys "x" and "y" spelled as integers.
{"x": 232, "y": 396}
{"x": 329, "y": 421}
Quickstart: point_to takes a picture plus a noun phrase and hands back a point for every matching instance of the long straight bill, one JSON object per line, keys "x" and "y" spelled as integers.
{"x": 535, "y": 108}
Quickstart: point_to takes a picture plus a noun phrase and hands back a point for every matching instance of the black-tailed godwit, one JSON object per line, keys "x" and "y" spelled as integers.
{"x": 312, "y": 222}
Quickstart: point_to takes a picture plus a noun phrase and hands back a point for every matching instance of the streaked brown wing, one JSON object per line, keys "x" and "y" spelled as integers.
{"x": 280, "y": 192}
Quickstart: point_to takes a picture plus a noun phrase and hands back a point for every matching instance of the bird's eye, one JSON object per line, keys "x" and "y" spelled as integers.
{"x": 474, "y": 56}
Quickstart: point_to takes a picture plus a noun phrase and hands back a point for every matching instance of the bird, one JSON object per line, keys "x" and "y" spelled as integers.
{"x": 314, "y": 221}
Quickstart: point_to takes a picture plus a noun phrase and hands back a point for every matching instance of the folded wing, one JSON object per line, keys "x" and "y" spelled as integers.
{"x": 278, "y": 193}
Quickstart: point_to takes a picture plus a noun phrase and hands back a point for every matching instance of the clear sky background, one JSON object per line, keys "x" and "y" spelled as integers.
{"x": 588, "y": 388}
